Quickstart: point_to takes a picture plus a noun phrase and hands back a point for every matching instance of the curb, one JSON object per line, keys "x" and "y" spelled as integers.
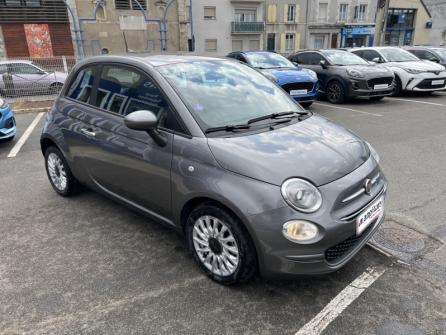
{"x": 31, "y": 110}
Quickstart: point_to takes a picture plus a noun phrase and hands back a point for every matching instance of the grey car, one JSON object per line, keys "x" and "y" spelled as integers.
{"x": 223, "y": 155}
{"x": 433, "y": 54}
{"x": 21, "y": 77}
{"x": 343, "y": 75}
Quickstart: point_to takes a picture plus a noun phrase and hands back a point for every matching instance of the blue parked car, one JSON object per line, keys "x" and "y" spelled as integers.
{"x": 7, "y": 121}
{"x": 301, "y": 84}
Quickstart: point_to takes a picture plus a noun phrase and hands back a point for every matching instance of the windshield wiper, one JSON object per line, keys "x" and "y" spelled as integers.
{"x": 276, "y": 116}
{"x": 230, "y": 127}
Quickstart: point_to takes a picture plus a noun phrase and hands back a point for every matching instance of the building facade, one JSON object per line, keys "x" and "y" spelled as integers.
{"x": 229, "y": 25}
{"x": 34, "y": 28}
{"x": 405, "y": 22}
{"x": 438, "y": 11}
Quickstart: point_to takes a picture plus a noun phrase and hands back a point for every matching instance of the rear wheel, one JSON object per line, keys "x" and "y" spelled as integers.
{"x": 335, "y": 92}
{"x": 306, "y": 104}
{"x": 219, "y": 245}
{"x": 59, "y": 173}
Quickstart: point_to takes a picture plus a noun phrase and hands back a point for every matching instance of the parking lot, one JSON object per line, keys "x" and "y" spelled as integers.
{"x": 85, "y": 265}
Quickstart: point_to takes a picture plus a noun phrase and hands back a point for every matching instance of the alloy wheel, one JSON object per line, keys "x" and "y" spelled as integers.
{"x": 56, "y": 171}
{"x": 334, "y": 92}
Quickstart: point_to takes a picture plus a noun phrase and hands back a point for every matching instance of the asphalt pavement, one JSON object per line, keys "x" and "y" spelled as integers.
{"x": 86, "y": 265}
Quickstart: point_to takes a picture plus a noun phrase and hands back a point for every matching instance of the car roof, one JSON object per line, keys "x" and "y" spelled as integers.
{"x": 15, "y": 61}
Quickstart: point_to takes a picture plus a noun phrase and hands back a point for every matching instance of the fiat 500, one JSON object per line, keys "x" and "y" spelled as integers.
{"x": 219, "y": 152}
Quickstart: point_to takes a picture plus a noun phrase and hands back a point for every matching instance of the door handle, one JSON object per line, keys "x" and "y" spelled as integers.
{"x": 88, "y": 132}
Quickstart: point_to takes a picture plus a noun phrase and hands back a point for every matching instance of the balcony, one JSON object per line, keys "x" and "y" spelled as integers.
{"x": 247, "y": 27}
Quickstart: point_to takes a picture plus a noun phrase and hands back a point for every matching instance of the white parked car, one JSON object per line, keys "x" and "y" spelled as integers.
{"x": 411, "y": 73}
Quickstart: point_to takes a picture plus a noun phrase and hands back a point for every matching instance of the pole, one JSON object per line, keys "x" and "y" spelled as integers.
{"x": 191, "y": 26}
{"x": 384, "y": 23}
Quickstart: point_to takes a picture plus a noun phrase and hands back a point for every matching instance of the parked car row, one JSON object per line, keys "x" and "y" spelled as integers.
{"x": 372, "y": 73}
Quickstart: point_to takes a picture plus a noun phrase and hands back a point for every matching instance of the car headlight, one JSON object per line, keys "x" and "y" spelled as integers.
{"x": 3, "y": 103}
{"x": 299, "y": 230}
{"x": 373, "y": 152}
{"x": 301, "y": 195}
{"x": 413, "y": 71}
{"x": 312, "y": 74}
{"x": 354, "y": 73}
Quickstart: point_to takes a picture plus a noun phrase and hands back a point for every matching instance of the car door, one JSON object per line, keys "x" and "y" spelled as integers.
{"x": 314, "y": 60}
{"x": 126, "y": 163}
{"x": 28, "y": 79}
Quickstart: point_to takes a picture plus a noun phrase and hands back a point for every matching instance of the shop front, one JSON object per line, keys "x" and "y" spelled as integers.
{"x": 354, "y": 36}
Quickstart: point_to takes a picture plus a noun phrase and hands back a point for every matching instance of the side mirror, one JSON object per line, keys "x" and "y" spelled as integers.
{"x": 377, "y": 60}
{"x": 323, "y": 63}
{"x": 146, "y": 121}
{"x": 295, "y": 64}
{"x": 436, "y": 60}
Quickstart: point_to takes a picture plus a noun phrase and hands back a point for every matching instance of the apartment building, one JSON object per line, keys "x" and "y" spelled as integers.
{"x": 437, "y": 9}
{"x": 222, "y": 26}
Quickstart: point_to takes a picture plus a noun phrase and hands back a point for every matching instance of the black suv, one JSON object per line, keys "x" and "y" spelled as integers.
{"x": 343, "y": 75}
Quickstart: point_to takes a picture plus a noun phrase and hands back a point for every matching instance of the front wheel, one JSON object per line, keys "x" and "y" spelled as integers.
{"x": 219, "y": 245}
{"x": 306, "y": 104}
{"x": 398, "y": 87}
{"x": 335, "y": 92}
{"x": 59, "y": 173}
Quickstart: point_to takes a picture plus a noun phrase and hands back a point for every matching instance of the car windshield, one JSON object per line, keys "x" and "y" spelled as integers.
{"x": 222, "y": 93}
{"x": 441, "y": 52}
{"x": 338, "y": 57}
{"x": 268, "y": 60}
{"x": 398, "y": 55}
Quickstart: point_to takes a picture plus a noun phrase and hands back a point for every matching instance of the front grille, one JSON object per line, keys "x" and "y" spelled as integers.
{"x": 298, "y": 86}
{"x": 379, "y": 81}
{"x": 427, "y": 84}
{"x": 9, "y": 123}
{"x": 338, "y": 251}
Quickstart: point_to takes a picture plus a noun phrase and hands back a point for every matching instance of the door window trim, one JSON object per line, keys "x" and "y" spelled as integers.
{"x": 95, "y": 86}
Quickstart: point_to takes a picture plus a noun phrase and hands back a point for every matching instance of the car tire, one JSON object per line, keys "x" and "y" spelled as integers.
{"x": 398, "y": 87}
{"x": 55, "y": 88}
{"x": 220, "y": 245}
{"x": 376, "y": 98}
{"x": 306, "y": 104}
{"x": 335, "y": 92}
{"x": 59, "y": 173}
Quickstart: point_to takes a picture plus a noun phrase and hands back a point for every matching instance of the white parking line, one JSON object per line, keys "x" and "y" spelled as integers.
{"x": 15, "y": 150}
{"x": 348, "y": 109}
{"x": 341, "y": 302}
{"x": 419, "y": 102}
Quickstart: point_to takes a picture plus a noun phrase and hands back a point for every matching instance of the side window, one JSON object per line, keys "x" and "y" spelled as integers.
{"x": 370, "y": 55}
{"x": 359, "y": 53}
{"x": 23, "y": 68}
{"x": 315, "y": 58}
{"x": 303, "y": 59}
{"x": 241, "y": 58}
{"x": 123, "y": 90}
{"x": 80, "y": 88}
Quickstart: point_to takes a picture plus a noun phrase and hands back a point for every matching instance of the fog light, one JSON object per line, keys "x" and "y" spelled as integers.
{"x": 299, "y": 231}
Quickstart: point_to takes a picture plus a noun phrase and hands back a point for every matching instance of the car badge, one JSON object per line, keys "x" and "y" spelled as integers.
{"x": 368, "y": 186}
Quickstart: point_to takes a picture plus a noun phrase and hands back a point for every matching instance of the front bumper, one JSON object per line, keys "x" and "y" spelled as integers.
{"x": 7, "y": 123}
{"x": 310, "y": 87}
{"x": 426, "y": 82}
{"x": 365, "y": 88}
{"x": 280, "y": 257}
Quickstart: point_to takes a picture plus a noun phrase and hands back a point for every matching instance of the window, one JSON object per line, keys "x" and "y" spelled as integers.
{"x": 304, "y": 58}
{"x": 370, "y": 55}
{"x": 130, "y": 4}
{"x": 323, "y": 12}
{"x": 289, "y": 41}
{"x": 424, "y": 54}
{"x": 360, "y": 12}
{"x": 314, "y": 58}
{"x": 343, "y": 12}
{"x": 210, "y": 45}
{"x": 209, "y": 13}
{"x": 291, "y": 13}
{"x": 319, "y": 41}
{"x": 123, "y": 90}
{"x": 245, "y": 15}
{"x": 23, "y": 68}
{"x": 80, "y": 88}
{"x": 237, "y": 45}
{"x": 271, "y": 42}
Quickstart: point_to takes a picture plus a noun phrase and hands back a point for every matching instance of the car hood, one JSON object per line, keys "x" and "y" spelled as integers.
{"x": 417, "y": 65}
{"x": 315, "y": 149}
{"x": 289, "y": 75}
{"x": 370, "y": 69}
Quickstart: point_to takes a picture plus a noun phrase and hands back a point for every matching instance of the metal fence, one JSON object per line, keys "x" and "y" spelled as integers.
{"x": 33, "y": 78}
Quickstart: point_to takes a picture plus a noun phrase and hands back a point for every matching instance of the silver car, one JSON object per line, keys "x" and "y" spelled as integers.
{"x": 22, "y": 77}
{"x": 223, "y": 155}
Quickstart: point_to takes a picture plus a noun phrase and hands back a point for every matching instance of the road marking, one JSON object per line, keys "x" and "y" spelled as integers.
{"x": 341, "y": 302}
{"x": 419, "y": 102}
{"x": 348, "y": 109}
{"x": 15, "y": 150}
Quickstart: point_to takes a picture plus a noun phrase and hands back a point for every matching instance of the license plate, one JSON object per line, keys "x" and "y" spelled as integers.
{"x": 381, "y": 86}
{"x": 298, "y": 92}
{"x": 369, "y": 215}
{"x": 437, "y": 82}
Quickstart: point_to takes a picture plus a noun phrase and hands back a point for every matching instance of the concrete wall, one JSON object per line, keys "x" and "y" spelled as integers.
{"x": 438, "y": 11}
